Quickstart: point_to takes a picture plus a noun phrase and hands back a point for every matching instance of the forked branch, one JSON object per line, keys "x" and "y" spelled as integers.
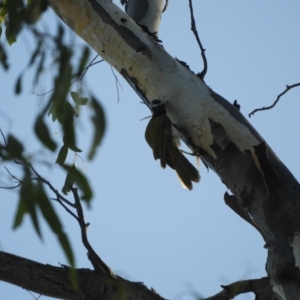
{"x": 194, "y": 29}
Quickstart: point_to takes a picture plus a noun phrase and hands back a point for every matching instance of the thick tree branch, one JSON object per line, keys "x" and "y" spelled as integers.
{"x": 54, "y": 281}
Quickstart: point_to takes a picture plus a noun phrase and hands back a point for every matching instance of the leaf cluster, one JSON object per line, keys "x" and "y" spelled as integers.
{"x": 62, "y": 105}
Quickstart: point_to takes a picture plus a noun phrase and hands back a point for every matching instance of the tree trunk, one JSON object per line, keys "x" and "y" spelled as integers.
{"x": 265, "y": 193}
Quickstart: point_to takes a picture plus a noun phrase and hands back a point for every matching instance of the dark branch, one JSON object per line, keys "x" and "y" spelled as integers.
{"x": 260, "y": 287}
{"x": 165, "y": 7}
{"x": 202, "y": 74}
{"x": 288, "y": 87}
{"x": 117, "y": 83}
{"x": 54, "y": 190}
{"x": 96, "y": 261}
{"x": 55, "y": 281}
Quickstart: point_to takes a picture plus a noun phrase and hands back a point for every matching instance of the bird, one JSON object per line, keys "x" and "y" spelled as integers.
{"x": 159, "y": 136}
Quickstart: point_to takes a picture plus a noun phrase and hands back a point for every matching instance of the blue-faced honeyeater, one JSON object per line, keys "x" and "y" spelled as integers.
{"x": 159, "y": 137}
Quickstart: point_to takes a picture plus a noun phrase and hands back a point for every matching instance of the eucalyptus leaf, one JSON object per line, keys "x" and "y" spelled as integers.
{"x": 99, "y": 122}
{"x": 18, "y": 86}
{"x": 76, "y": 177}
{"x": 62, "y": 155}
{"x": 14, "y": 147}
{"x": 54, "y": 223}
{"x": 42, "y": 132}
{"x": 77, "y": 99}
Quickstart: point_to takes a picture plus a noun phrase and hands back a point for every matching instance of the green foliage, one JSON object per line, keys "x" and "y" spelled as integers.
{"x": 42, "y": 132}
{"x": 3, "y": 58}
{"x": 76, "y": 177}
{"x": 62, "y": 105}
{"x": 62, "y": 155}
{"x": 16, "y": 14}
{"x": 79, "y": 100}
{"x": 99, "y": 122}
{"x": 53, "y": 221}
{"x": 32, "y": 197}
{"x": 14, "y": 147}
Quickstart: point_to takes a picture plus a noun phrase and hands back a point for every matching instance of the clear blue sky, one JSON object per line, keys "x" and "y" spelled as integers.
{"x": 143, "y": 224}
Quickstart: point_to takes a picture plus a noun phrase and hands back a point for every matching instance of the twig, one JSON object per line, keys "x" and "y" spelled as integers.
{"x": 165, "y": 7}
{"x": 65, "y": 207}
{"x": 92, "y": 63}
{"x": 55, "y": 191}
{"x": 288, "y": 87}
{"x": 117, "y": 83}
{"x": 13, "y": 177}
{"x": 96, "y": 261}
{"x": 194, "y": 29}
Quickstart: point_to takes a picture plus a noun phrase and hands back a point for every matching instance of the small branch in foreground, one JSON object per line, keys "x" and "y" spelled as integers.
{"x": 288, "y": 87}
{"x": 194, "y": 30}
{"x": 117, "y": 83}
{"x": 96, "y": 261}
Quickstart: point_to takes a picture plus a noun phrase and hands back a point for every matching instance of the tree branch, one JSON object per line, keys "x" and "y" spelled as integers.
{"x": 260, "y": 287}
{"x": 194, "y": 30}
{"x": 288, "y": 87}
{"x": 54, "y": 281}
{"x": 96, "y": 261}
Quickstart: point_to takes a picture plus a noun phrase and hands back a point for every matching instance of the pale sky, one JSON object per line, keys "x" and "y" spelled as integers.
{"x": 144, "y": 225}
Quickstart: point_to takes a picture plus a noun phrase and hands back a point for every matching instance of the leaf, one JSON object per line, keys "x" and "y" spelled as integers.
{"x": 3, "y": 58}
{"x": 65, "y": 244}
{"x": 28, "y": 195}
{"x": 42, "y": 132}
{"x": 74, "y": 148}
{"x": 76, "y": 177}
{"x": 35, "y": 53}
{"x": 98, "y": 119}
{"x": 14, "y": 147}
{"x": 69, "y": 181}
{"x": 10, "y": 36}
{"x": 59, "y": 110}
{"x": 3, "y": 12}
{"x": 40, "y": 66}
{"x": 83, "y": 60}
{"x": 73, "y": 277}
{"x": 33, "y": 11}
{"x": 21, "y": 211}
{"x": 62, "y": 155}
{"x": 47, "y": 210}
{"x": 54, "y": 223}
{"x": 18, "y": 87}
{"x": 77, "y": 99}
